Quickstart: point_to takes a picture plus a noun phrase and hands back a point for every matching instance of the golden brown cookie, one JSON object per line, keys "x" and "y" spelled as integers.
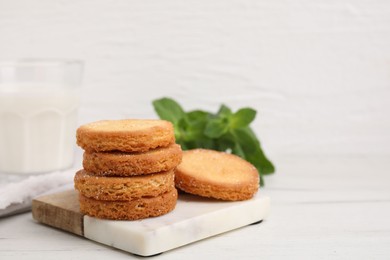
{"x": 123, "y": 188}
{"x": 127, "y": 135}
{"x": 217, "y": 175}
{"x": 128, "y": 164}
{"x": 129, "y": 210}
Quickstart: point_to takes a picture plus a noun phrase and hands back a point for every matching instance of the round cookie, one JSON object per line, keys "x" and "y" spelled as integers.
{"x": 123, "y": 188}
{"x": 127, "y": 135}
{"x": 129, "y": 210}
{"x": 129, "y": 164}
{"x": 217, "y": 175}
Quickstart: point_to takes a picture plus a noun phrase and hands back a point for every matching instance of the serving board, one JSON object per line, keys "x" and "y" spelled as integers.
{"x": 193, "y": 219}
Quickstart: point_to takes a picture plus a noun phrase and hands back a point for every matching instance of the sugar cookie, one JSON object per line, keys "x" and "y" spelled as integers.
{"x": 123, "y": 188}
{"x": 127, "y": 135}
{"x": 128, "y": 164}
{"x": 216, "y": 174}
{"x": 129, "y": 210}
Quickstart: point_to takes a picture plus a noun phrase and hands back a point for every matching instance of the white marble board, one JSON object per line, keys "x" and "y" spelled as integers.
{"x": 193, "y": 219}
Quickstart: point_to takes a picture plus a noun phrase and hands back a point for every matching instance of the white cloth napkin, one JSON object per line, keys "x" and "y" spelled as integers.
{"x": 16, "y": 194}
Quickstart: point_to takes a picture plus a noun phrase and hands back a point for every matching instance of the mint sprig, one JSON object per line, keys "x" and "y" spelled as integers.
{"x": 222, "y": 131}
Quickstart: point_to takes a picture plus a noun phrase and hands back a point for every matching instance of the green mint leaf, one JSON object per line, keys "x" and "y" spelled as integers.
{"x": 238, "y": 150}
{"x": 242, "y": 117}
{"x": 261, "y": 180}
{"x": 224, "y": 111}
{"x": 189, "y": 131}
{"x": 216, "y": 128}
{"x": 169, "y": 110}
{"x": 224, "y": 143}
{"x": 197, "y": 115}
{"x": 222, "y": 131}
{"x": 253, "y": 151}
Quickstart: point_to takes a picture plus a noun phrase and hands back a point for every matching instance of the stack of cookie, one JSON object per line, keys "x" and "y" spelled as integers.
{"x": 128, "y": 169}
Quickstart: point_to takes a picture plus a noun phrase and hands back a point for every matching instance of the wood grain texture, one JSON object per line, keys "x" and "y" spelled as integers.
{"x": 59, "y": 210}
{"x": 322, "y": 208}
{"x": 317, "y": 71}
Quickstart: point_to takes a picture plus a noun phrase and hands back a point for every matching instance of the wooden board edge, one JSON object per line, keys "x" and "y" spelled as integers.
{"x": 58, "y": 217}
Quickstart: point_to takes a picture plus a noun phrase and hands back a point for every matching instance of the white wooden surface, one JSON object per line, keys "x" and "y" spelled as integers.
{"x": 322, "y": 208}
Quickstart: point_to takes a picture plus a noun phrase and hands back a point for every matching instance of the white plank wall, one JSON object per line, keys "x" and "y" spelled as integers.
{"x": 318, "y": 71}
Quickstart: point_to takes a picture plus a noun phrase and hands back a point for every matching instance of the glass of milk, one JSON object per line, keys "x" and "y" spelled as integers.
{"x": 39, "y": 101}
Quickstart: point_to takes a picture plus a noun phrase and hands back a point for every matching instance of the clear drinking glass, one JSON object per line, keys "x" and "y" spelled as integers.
{"x": 39, "y": 101}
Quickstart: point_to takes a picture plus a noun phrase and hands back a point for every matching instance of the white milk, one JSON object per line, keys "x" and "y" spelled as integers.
{"x": 37, "y": 131}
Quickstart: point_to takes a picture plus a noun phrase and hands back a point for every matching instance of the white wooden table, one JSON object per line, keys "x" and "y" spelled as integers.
{"x": 322, "y": 208}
